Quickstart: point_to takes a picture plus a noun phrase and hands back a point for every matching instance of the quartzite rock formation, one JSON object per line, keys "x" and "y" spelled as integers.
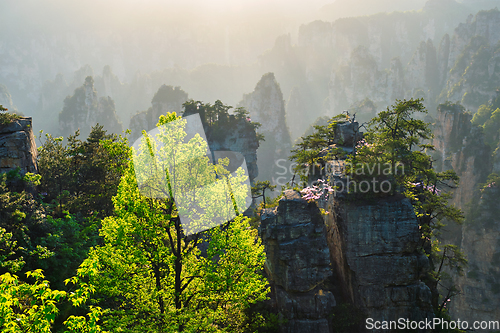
{"x": 460, "y": 146}
{"x": 267, "y": 107}
{"x": 167, "y": 99}
{"x": 84, "y": 110}
{"x": 363, "y": 254}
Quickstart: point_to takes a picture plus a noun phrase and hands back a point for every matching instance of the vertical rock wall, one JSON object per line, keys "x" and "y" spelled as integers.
{"x": 362, "y": 254}
{"x": 460, "y": 146}
{"x": 298, "y": 264}
{"x": 167, "y": 99}
{"x": 376, "y": 252}
{"x": 266, "y": 106}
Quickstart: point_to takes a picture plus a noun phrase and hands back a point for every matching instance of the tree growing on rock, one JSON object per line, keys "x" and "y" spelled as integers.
{"x": 155, "y": 274}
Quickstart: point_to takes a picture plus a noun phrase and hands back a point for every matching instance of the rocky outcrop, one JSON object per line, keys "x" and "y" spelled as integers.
{"x": 17, "y": 146}
{"x": 366, "y": 255}
{"x": 421, "y": 72}
{"x": 231, "y": 133}
{"x": 377, "y": 255}
{"x": 84, "y": 110}
{"x": 297, "y": 113}
{"x": 298, "y": 264}
{"x": 461, "y": 147}
{"x": 385, "y": 35}
{"x": 267, "y": 107}
{"x": 480, "y": 285}
{"x": 240, "y": 137}
{"x": 465, "y": 68}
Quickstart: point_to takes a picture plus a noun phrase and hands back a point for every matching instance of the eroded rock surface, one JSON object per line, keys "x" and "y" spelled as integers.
{"x": 17, "y": 146}
{"x": 266, "y": 106}
{"x": 460, "y": 146}
{"x": 376, "y": 252}
{"x": 366, "y": 255}
{"x": 298, "y": 264}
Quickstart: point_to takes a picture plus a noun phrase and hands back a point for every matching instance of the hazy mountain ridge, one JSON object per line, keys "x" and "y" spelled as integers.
{"x": 310, "y": 65}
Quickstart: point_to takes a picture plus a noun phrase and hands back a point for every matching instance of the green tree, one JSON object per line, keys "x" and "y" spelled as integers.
{"x": 259, "y": 190}
{"x": 22, "y": 225}
{"x": 394, "y": 139}
{"x": 397, "y": 139}
{"x": 32, "y": 307}
{"x": 82, "y": 176}
{"x": 217, "y": 120}
{"x": 155, "y": 273}
{"x": 30, "y": 238}
{"x": 314, "y": 149}
{"x": 394, "y": 150}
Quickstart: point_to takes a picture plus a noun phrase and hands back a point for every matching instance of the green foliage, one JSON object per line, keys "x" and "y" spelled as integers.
{"x": 482, "y": 115}
{"x": 31, "y": 239}
{"x": 259, "y": 190}
{"x": 9, "y": 261}
{"x": 21, "y": 225}
{"x": 491, "y": 128}
{"x": 150, "y": 275}
{"x": 217, "y": 120}
{"x": 82, "y": 176}
{"x": 69, "y": 238}
{"x": 396, "y": 138}
{"x": 488, "y": 118}
{"x": 310, "y": 151}
{"x": 33, "y": 307}
{"x": 27, "y": 307}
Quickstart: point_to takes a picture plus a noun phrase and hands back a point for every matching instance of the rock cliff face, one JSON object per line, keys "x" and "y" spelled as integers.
{"x": 166, "y": 99}
{"x": 480, "y": 285}
{"x": 465, "y": 68}
{"x": 236, "y": 134}
{"x": 298, "y": 264}
{"x": 266, "y": 106}
{"x": 297, "y": 114}
{"x": 17, "y": 146}
{"x": 361, "y": 79}
{"x": 421, "y": 72}
{"x": 460, "y": 146}
{"x": 240, "y": 138}
{"x": 84, "y": 109}
{"x": 361, "y": 254}
{"x": 474, "y": 61}
{"x": 375, "y": 251}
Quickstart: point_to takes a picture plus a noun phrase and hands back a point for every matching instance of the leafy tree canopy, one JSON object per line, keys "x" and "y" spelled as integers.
{"x": 153, "y": 276}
